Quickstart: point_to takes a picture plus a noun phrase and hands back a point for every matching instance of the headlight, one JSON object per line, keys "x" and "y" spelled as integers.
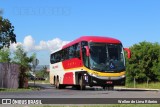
{"x": 91, "y": 74}
{"x": 123, "y": 76}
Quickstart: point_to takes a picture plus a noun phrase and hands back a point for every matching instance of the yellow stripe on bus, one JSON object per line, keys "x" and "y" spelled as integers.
{"x": 96, "y": 72}
{"x": 74, "y": 69}
{"x": 105, "y": 74}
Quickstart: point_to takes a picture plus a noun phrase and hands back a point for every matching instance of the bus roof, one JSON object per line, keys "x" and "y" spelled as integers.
{"x": 93, "y": 39}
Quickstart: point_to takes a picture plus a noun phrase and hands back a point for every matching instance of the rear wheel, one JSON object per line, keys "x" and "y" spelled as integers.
{"x": 54, "y": 81}
{"x": 58, "y": 85}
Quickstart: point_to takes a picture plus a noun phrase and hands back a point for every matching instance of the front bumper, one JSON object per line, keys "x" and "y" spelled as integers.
{"x": 93, "y": 80}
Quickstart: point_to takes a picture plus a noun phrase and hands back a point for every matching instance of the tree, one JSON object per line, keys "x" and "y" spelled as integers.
{"x": 46, "y": 74}
{"x": 5, "y": 55}
{"x": 42, "y": 73}
{"x": 144, "y": 64}
{"x": 6, "y": 33}
{"x": 21, "y": 58}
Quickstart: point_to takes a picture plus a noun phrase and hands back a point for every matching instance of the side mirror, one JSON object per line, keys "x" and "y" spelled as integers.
{"x": 87, "y": 51}
{"x": 128, "y": 52}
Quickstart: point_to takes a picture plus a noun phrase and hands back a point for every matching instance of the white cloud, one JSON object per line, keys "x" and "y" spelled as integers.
{"x": 14, "y": 45}
{"x": 28, "y": 43}
{"x": 30, "y": 46}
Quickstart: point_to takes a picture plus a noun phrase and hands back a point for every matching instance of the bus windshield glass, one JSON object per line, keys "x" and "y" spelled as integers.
{"x": 105, "y": 57}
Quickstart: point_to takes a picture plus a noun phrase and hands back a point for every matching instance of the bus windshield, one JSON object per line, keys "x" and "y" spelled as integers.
{"x": 106, "y": 57}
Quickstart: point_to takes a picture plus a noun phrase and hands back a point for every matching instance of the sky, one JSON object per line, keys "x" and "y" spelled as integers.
{"x": 42, "y": 26}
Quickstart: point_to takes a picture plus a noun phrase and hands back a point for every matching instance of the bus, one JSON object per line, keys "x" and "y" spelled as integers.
{"x": 89, "y": 61}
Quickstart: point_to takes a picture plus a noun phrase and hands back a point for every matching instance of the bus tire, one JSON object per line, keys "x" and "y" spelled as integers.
{"x": 58, "y": 85}
{"x": 54, "y": 81}
{"x": 82, "y": 85}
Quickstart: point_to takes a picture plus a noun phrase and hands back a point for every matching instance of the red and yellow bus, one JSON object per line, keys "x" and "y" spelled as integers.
{"x": 89, "y": 61}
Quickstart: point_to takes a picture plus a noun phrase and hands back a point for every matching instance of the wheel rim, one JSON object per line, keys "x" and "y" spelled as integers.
{"x": 82, "y": 86}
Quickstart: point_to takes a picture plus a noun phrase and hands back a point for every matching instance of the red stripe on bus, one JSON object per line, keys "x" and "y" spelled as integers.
{"x": 72, "y": 63}
{"x": 68, "y": 78}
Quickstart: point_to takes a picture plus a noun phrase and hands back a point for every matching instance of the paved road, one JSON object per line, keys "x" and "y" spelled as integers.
{"x": 49, "y": 91}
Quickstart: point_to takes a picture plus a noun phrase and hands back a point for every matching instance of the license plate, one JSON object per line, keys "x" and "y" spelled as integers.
{"x": 109, "y": 82}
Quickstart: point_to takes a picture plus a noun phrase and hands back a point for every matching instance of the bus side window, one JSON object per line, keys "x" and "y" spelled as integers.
{"x": 77, "y": 50}
{"x": 74, "y": 51}
{"x": 62, "y": 55}
{"x": 52, "y": 59}
{"x": 71, "y": 52}
{"x": 66, "y": 54}
{"x": 56, "y": 57}
{"x": 85, "y": 58}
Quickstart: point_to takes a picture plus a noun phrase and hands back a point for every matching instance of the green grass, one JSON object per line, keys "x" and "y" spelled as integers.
{"x": 30, "y": 88}
{"x": 144, "y": 85}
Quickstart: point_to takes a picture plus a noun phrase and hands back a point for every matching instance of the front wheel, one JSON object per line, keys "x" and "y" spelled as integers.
{"x": 82, "y": 84}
